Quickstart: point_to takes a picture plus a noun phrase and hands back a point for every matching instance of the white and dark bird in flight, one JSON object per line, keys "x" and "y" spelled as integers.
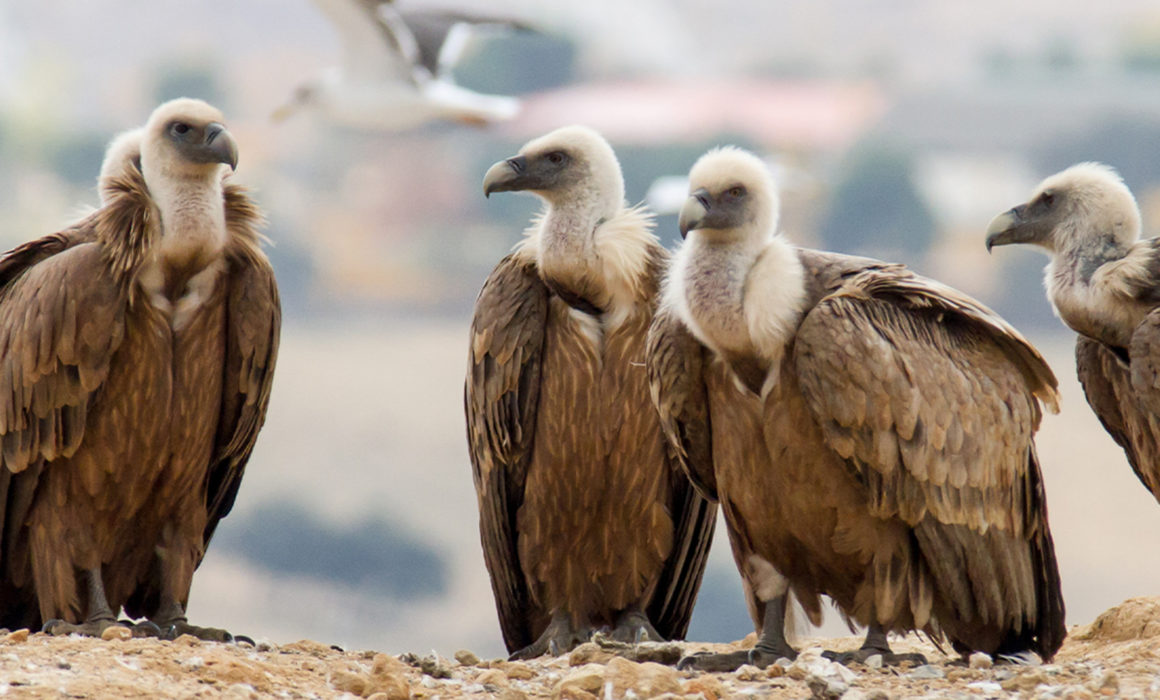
{"x": 1103, "y": 281}
{"x": 396, "y": 70}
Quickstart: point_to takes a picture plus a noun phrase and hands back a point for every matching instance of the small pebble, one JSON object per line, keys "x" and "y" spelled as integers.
{"x": 17, "y": 636}
{"x": 187, "y": 640}
{"x": 116, "y": 632}
{"x": 926, "y": 671}
{"x": 981, "y": 660}
{"x": 749, "y": 672}
{"x": 466, "y": 657}
{"x": 874, "y": 661}
{"x": 63, "y": 663}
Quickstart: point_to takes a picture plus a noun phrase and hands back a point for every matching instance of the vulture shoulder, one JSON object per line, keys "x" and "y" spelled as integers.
{"x": 253, "y": 327}
{"x": 677, "y": 364}
{"x": 501, "y": 396}
{"x": 930, "y": 397}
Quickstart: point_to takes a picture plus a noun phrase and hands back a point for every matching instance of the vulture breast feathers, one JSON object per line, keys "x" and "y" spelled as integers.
{"x": 868, "y": 432}
{"x": 137, "y": 350}
{"x": 1104, "y": 283}
{"x": 585, "y": 518}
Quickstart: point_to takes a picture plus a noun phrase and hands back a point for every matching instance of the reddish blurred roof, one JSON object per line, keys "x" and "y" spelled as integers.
{"x": 812, "y": 115}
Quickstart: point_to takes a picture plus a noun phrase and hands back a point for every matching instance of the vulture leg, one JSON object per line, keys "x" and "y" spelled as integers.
{"x": 559, "y": 637}
{"x": 770, "y": 647}
{"x": 171, "y": 619}
{"x": 876, "y": 644}
{"x": 100, "y": 615}
{"x": 633, "y": 627}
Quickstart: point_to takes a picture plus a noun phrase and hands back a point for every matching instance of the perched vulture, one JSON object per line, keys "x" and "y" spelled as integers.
{"x": 586, "y": 519}
{"x": 137, "y": 349}
{"x": 1104, "y": 282}
{"x": 396, "y": 71}
{"x": 867, "y": 432}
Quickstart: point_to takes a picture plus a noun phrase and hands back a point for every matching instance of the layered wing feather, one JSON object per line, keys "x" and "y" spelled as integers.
{"x": 1125, "y": 397}
{"x": 253, "y": 326}
{"x": 677, "y": 363}
{"x": 500, "y": 398}
{"x": 61, "y": 321}
{"x": 928, "y": 394}
{"x": 932, "y": 400}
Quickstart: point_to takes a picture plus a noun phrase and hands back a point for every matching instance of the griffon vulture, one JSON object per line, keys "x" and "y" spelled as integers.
{"x": 1104, "y": 282}
{"x": 586, "y": 519}
{"x": 396, "y": 69}
{"x": 137, "y": 349}
{"x": 867, "y": 432}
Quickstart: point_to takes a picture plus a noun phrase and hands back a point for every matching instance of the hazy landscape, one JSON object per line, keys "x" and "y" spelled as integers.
{"x": 356, "y": 523}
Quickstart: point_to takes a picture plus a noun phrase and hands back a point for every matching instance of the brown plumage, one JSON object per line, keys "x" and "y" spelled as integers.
{"x": 1103, "y": 282}
{"x": 585, "y": 518}
{"x": 868, "y": 432}
{"x": 137, "y": 349}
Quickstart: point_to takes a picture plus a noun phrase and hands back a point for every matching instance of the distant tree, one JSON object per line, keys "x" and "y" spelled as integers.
{"x": 1061, "y": 55}
{"x": 875, "y": 208}
{"x": 376, "y": 555}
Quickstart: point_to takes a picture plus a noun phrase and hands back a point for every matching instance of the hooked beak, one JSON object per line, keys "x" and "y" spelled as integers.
{"x": 505, "y": 176}
{"x": 694, "y": 211}
{"x": 1009, "y": 228}
{"x": 220, "y": 146}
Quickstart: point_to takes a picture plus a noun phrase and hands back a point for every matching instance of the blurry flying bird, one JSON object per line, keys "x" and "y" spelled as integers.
{"x": 396, "y": 69}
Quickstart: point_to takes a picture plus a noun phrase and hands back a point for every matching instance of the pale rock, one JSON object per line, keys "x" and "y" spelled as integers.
{"x": 115, "y": 632}
{"x": 874, "y": 661}
{"x": 242, "y": 691}
{"x": 706, "y": 686}
{"x": 825, "y": 688}
{"x": 986, "y": 687}
{"x": 434, "y": 666}
{"x": 513, "y": 694}
{"x": 493, "y": 677}
{"x": 981, "y": 660}
{"x": 187, "y": 640}
{"x": 588, "y": 653}
{"x": 385, "y": 664}
{"x": 1026, "y": 681}
{"x": 193, "y": 663}
{"x": 588, "y": 679}
{"x": 646, "y": 680}
{"x": 749, "y": 673}
{"x": 466, "y": 657}
{"x": 517, "y": 670}
{"x": 17, "y": 637}
{"x": 926, "y": 672}
{"x": 348, "y": 682}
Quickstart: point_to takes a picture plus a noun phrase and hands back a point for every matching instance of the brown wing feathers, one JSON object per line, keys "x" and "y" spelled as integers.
{"x": 500, "y": 397}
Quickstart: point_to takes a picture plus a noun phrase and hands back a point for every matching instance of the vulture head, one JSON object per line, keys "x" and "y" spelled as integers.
{"x": 732, "y": 197}
{"x": 185, "y": 139}
{"x": 1085, "y": 206}
{"x": 573, "y": 164}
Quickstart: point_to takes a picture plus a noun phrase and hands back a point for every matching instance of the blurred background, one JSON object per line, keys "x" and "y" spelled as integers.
{"x": 896, "y": 129}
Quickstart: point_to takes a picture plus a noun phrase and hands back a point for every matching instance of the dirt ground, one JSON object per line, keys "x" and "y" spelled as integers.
{"x": 1118, "y": 655}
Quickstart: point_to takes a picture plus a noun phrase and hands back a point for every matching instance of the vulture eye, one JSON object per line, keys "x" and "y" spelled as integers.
{"x": 735, "y": 192}
{"x": 1049, "y": 198}
{"x": 180, "y": 128}
{"x": 556, "y": 157}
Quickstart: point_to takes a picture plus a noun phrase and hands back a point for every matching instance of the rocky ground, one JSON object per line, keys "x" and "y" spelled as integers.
{"x": 1118, "y": 655}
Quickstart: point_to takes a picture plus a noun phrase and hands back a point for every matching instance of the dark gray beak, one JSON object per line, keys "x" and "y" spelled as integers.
{"x": 506, "y": 176}
{"x": 220, "y": 145}
{"x": 1012, "y": 227}
{"x": 696, "y": 207}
